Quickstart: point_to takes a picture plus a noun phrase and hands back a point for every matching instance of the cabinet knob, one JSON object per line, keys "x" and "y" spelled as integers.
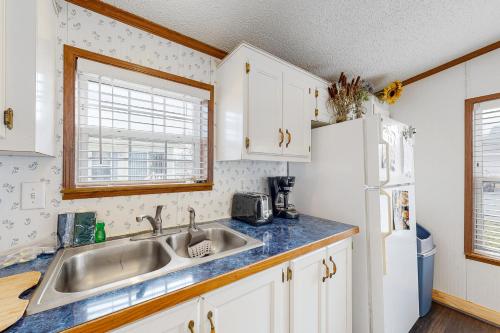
{"x": 282, "y": 137}
{"x": 289, "y": 134}
{"x": 327, "y": 271}
{"x": 210, "y": 317}
{"x": 334, "y": 267}
{"x": 191, "y": 326}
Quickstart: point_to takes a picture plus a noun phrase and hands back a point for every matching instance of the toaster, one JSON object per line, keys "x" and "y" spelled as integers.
{"x": 251, "y": 207}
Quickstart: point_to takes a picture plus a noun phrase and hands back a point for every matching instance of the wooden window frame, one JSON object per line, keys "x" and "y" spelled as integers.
{"x": 69, "y": 189}
{"x": 469, "y": 183}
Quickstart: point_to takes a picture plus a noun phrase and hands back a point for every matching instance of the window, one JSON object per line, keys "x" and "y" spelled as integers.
{"x": 482, "y": 179}
{"x": 133, "y": 130}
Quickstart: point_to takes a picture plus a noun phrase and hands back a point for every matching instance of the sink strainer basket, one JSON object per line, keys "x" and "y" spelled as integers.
{"x": 201, "y": 249}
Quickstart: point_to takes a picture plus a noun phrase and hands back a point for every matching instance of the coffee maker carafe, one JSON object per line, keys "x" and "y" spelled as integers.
{"x": 280, "y": 188}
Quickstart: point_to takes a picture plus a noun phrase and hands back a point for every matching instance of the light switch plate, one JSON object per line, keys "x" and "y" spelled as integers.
{"x": 33, "y": 195}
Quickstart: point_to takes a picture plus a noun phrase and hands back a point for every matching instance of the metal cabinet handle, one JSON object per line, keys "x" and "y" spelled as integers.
{"x": 282, "y": 137}
{"x": 327, "y": 271}
{"x": 289, "y": 137}
{"x": 8, "y": 118}
{"x": 210, "y": 317}
{"x": 191, "y": 326}
{"x": 334, "y": 267}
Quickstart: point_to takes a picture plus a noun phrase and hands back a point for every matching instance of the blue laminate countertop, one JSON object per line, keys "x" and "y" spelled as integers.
{"x": 282, "y": 235}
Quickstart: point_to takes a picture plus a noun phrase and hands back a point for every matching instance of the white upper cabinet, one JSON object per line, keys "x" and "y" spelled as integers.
{"x": 264, "y": 107}
{"x": 28, "y": 75}
{"x": 321, "y": 107}
{"x": 2, "y": 63}
{"x": 296, "y": 121}
{"x": 265, "y": 80}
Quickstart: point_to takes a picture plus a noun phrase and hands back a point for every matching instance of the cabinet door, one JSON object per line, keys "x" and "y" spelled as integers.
{"x": 264, "y": 105}
{"x": 338, "y": 288}
{"x": 255, "y": 304}
{"x": 307, "y": 293}
{"x": 173, "y": 320}
{"x": 2, "y": 63}
{"x": 30, "y": 56}
{"x": 20, "y": 71}
{"x": 322, "y": 112}
{"x": 296, "y": 120}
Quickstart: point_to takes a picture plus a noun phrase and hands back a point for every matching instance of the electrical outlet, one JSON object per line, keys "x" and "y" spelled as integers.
{"x": 32, "y": 195}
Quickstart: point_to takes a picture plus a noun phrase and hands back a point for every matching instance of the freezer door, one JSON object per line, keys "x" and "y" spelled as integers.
{"x": 389, "y": 153}
{"x": 396, "y": 153}
{"x": 393, "y": 259}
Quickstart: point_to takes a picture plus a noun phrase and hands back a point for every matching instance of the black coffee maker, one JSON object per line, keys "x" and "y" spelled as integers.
{"x": 280, "y": 188}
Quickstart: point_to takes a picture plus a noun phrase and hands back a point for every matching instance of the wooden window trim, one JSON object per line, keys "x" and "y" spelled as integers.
{"x": 469, "y": 183}
{"x": 69, "y": 190}
{"x": 452, "y": 63}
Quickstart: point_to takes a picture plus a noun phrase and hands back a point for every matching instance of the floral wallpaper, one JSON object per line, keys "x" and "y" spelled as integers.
{"x": 85, "y": 29}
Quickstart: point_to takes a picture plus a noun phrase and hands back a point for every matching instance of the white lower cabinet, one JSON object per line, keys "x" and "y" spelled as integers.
{"x": 255, "y": 304}
{"x": 339, "y": 288}
{"x": 307, "y": 293}
{"x": 310, "y": 294}
{"x": 183, "y": 318}
{"x": 320, "y": 290}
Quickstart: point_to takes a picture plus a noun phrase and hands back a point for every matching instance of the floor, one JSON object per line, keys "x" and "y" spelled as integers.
{"x": 445, "y": 320}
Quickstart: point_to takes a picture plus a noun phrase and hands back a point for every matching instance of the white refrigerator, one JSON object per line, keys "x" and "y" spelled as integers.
{"x": 362, "y": 174}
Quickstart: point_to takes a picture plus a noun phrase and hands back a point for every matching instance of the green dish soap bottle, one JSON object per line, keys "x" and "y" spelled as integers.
{"x": 100, "y": 234}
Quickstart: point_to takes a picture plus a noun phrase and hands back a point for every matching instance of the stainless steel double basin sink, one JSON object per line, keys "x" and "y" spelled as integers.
{"x": 81, "y": 272}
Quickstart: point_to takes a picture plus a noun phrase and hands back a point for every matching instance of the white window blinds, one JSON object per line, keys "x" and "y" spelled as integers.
{"x": 133, "y": 128}
{"x": 486, "y": 178}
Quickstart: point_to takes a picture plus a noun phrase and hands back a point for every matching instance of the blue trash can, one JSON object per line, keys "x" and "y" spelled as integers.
{"x": 425, "y": 253}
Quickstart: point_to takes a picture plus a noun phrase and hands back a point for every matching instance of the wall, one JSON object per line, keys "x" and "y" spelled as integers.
{"x": 435, "y": 106}
{"x": 85, "y": 29}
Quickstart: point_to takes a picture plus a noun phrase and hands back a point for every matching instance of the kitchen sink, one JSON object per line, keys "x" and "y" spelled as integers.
{"x": 95, "y": 268}
{"x": 222, "y": 240}
{"x": 81, "y": 272}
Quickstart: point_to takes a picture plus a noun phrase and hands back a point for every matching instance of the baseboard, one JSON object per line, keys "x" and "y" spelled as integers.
{"x": 472, "y": 309}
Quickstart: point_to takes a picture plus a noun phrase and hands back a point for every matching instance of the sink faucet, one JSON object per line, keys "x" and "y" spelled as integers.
{"x": 156, "y": 222}
{"x": 192, "y": 216}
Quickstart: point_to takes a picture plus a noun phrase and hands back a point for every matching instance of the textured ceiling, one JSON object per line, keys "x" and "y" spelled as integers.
{"x": 381, "y": 40}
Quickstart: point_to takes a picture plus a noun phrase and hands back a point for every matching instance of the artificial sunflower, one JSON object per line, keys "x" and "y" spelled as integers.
{"x": 392, "y": 92}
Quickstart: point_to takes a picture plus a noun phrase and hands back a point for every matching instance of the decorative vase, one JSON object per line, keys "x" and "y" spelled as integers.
{"x": 344, "y": 113}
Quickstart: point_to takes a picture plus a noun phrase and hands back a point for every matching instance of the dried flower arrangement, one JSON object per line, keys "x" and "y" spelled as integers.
{"x": 346, "y": 98}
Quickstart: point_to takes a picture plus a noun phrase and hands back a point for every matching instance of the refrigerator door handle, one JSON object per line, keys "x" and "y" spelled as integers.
{"x": 387, "y": 167}
{"x": 389, "y": 228}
